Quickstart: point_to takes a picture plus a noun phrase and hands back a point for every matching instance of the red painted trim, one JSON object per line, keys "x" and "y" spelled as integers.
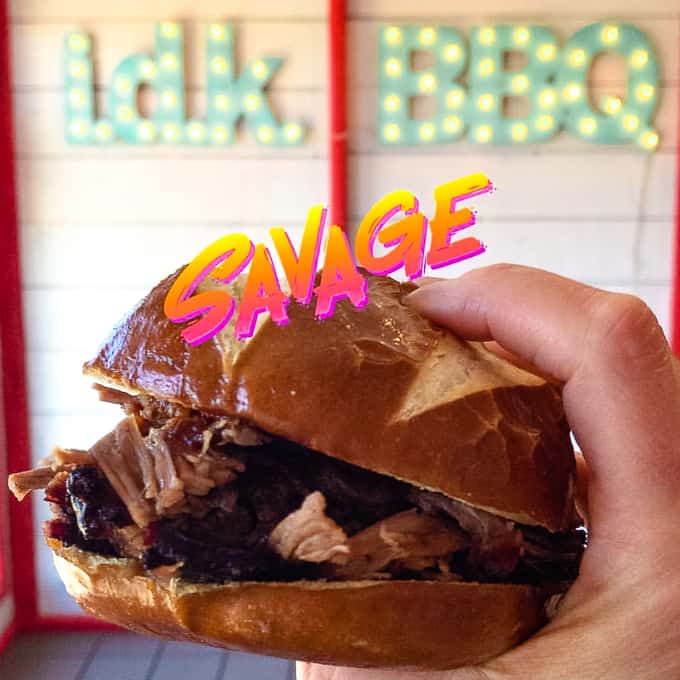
{"x": 6, "y": 637}
{"x": 337, "y": 106}
{"x": 13, "y": 354}
{"x": 5, "y": 577}
{"x": 62, "y": 623}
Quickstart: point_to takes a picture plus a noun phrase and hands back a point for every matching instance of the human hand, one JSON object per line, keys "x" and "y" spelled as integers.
{"x": 622, "y": 398}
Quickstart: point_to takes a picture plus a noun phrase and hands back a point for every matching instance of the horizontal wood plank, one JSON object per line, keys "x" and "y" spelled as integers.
{"x": 66, "y": 256}
{"x": 555, "y": 10}
{"x": 604, "y": 184}
{"x": 210, "y": 187}
{"x": 51, "y": 10}
{"x": 61, "y": 256}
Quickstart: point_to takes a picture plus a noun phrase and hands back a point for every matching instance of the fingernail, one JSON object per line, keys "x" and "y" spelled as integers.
{"x": 425, "y": 294}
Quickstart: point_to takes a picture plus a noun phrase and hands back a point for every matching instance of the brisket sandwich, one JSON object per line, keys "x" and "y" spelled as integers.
{"x": 366, "y": 490}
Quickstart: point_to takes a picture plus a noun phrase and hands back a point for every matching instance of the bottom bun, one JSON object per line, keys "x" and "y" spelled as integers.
{"x": 409, "y": 624}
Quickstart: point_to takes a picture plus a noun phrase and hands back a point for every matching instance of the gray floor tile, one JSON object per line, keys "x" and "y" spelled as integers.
{"x": 130, "y": 644}
{"x": 190, "y": 648}
{"x": 247, "y": 667}
{"x": 124, "y": 659}
{"x": 52, "y": 657}
{"x": 124, "y": 656}
{"x": 27, "y": 668}
{"x": 184, "y": 661}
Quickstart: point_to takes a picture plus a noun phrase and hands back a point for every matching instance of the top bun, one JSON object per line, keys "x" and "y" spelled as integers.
{"x": 380, "y": 387}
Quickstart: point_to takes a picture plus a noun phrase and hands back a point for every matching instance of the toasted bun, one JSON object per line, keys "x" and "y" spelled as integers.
{"x": 409, "y": 624}
{"x": 380, "y": 387}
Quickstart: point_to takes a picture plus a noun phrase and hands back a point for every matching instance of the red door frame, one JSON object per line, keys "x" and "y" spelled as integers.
{"x": 337, "y": 107}
{"x": 13, "y": 350}
{"x": 14, "y": 385}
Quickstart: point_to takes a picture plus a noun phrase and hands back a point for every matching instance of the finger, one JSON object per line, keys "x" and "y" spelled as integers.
{"x": 622, "y": 392}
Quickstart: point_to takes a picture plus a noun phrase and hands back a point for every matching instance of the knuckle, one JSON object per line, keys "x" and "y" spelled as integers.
{"x": 623, "y": 326}
{"x": 504, "y": 267}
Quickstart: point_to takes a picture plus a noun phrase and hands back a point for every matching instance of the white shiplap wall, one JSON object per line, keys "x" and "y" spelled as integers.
{"x": 100, "y": 226}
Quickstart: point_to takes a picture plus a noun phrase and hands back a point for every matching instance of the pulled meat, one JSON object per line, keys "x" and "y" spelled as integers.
{"x": 158, "y": 411}
{"x": 61, "y": 458}
{"x": 309, "y": 535}
{"x": 211, "y": 499}
{"x": 495, "y": 542}
{"x": 22, "y": 483}
{"x": 409, "y": 541}
{"x": 155, "y": 474}
{"x": 119, "y": 459}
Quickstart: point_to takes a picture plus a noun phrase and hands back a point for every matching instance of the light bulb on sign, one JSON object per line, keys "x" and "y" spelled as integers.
{"x": 427, "y": 83}
{"x": 483, "y": 134}
{"x": 392, "y": 132}
{"x": 521, "y": 35}
{"x": 217, "y": 32}
{"x": 610, "y": 35}
{"x": 486, "y": 102}
{"x": 520, "y": 83}
{"x": 426, "y": 132}
{"x": 487, "y": 36}
{"x": 393, "y": 68}
{"x": 169, "y": 29}
{"x": 453, "y": 124}
{"x": 392, "y": 35}
{"x": 649, "y": 140}
{"x": 546, "y": 52}
{"x": 630, "y": 123}
{"x": 293, "y": 132}
{"x": 519, "y": 132}
{"x": 545, "y": 123}
{"x": 427, "y": 36}
{"x": 392, "y": 103}
{"x": 454, "y": 99}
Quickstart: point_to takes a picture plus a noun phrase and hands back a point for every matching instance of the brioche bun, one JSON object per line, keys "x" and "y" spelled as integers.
{"x": 382, "y": 388}
{"x": 409, "y": 624}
